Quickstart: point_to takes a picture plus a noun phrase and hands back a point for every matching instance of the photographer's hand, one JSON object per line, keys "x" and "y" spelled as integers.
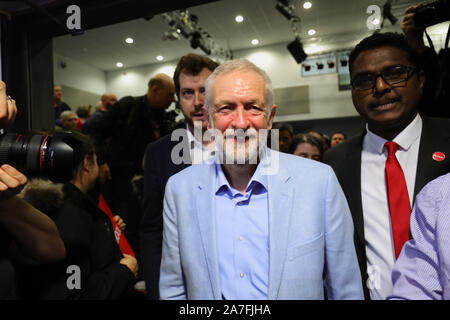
{"x": 11, "y": 181}
{"x": 8, "y": 109}
{"x": 412, "y": 33}
{"x": 35, "y": 236}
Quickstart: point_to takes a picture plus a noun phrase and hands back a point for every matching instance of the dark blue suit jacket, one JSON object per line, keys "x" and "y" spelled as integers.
{"x": 158, "y": 168}
{"x": 345, "y": 159}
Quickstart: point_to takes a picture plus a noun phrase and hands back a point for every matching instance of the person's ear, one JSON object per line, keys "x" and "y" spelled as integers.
{"x": 154, "y": 89}
{"x": 271, "y": 117}
{"x": 422, "y": 78}
{"x": 86, "y": 163}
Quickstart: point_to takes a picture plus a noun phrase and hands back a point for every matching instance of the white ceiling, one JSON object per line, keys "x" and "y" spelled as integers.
{"x": 337, "y": 24}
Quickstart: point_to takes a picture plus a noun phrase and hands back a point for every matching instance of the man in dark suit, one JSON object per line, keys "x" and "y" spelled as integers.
{"x": 387, "y": 84}
{"x": 159, "y": 165}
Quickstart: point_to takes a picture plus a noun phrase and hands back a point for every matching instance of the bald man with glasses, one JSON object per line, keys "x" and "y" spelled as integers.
{"x": 384, "y": 168}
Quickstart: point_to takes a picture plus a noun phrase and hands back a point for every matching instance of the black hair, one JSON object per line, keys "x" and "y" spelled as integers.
{"x": 339, "y": 132}
{"x": 378, "y": 40}
{"x": 192, "y": 64}
{"x": 84, "y": 147}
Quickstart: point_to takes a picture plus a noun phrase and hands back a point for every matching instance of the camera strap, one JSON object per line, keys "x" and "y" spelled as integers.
{"x": 430, "y": 42}
{"x": 448, "y": 37}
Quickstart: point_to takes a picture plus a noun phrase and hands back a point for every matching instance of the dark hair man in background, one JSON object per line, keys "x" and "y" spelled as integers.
{"x": 382, "y": 169}
{"x": 189, "y": 78}
{"x": 336, "y": 138}
{"x": 286, "y": 134}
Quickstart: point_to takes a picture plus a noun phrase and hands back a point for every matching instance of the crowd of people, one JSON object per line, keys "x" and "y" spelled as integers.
{"x": 361, "y": 217}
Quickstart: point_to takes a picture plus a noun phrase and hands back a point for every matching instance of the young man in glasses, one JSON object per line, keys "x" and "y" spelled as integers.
{"x": 383, "y": 169}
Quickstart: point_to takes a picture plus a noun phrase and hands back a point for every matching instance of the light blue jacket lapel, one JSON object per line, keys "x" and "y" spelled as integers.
{"x": 280, "y": 208}
{"x": 204, "y": 201}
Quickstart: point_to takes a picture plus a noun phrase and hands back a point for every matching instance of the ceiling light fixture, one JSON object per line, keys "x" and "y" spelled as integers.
{"x": 160, "y": 58}
{"x": 119, "y": 64}
{"x": 239, "y": 19}
{"x": 295, "y": 47}
{"x": 183, "y": 24}
{"x": 255, "y": 42}
{"x": 307, "y": 5}
{"x": 311, "y": 32}
{"x": 129, "y": 40}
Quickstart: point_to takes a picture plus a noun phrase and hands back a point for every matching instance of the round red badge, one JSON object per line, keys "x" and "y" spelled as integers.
{"x": 438, "y": 156}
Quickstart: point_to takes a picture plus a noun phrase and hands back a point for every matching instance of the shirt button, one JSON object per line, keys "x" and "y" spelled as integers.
{"x": 242, "y": 274}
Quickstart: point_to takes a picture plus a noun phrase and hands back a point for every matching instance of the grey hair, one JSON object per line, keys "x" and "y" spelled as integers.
{"x": 66, "y": 114}
{"x": 232, "y": 65}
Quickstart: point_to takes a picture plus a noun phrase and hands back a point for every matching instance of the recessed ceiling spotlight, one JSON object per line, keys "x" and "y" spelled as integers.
{"x": 129, "y": 40}
{"x": 311, "y": 32}
{"x": 119, "y": 64}
{"x": 307, "y": 5}
{"x": 255, "y": 42}
{"x": 160, "y": 58}
{"x": 239, "y": 19}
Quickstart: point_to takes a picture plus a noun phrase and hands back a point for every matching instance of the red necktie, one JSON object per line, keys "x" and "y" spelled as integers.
{"x": 398, "y": 199}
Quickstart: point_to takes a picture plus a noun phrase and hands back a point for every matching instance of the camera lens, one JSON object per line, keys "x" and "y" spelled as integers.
{"x": 39, "y": 155}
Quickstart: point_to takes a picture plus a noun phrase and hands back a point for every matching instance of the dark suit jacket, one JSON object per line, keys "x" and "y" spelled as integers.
{"x": 158, "y": 169}
{"x": 346, "y": 162}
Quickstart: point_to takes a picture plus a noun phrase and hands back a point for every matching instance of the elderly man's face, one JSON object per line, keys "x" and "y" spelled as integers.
{"x": 70, "y": 122}
{"x": 238, "y": 102}
{"x": 386, "y": 107}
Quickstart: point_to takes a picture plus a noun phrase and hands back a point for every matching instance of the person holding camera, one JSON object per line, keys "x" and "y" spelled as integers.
{"x": 417, "y": 18}
{"x": 27, "y": 235}
{"x": 95, "y": 267}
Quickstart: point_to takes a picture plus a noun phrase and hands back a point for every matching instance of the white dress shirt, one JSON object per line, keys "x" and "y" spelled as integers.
{"x": 200, "y": 153}
{"x": 377, "y": 223}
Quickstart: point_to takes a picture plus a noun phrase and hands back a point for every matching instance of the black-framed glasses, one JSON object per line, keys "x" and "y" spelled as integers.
{"x": 398, "y": 74}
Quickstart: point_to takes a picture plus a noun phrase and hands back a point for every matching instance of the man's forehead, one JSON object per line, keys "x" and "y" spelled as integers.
{"x": 380, "y": 57}
{"x": 241, "y": 78}
{"x": 186, "y": 76}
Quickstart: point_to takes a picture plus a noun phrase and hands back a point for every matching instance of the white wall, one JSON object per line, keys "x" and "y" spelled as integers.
{"x": 326, "y": 101}
{"x": 134, "y": 81}
{"x": 78, "y": 75}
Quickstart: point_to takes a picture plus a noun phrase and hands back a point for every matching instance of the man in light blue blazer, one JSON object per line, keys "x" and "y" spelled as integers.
{"x": 255, "y": 223}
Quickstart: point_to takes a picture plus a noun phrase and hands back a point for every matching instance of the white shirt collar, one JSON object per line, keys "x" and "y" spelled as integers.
{"x": 191, "y": 138}
{"x": 404, "y": 139}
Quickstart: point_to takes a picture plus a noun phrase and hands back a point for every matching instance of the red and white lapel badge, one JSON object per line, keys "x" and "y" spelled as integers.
{"x": 438, "y": 156}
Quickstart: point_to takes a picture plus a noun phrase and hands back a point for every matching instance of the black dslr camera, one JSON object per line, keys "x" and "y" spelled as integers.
{"x": 39, "y": 155}
{"x": 432, "y": 13}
